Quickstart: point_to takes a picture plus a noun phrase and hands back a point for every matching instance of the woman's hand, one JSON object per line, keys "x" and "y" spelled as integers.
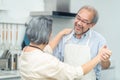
{"x": 66, "y": 31}
{"x": 104, "y": 54}
{"x": 53, "y": 43}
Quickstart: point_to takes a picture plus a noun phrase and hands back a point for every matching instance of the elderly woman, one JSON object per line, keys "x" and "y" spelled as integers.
{"x": 37, "y": 64}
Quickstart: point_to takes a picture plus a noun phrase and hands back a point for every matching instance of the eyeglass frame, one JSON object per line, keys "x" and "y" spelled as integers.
{"x": 79, "y": 18}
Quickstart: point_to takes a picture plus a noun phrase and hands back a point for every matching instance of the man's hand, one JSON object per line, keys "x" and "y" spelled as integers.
{"x": 105, "y": 54}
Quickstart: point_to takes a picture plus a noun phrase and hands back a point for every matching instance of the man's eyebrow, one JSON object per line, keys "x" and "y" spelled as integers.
{"x": 83, "y": 19}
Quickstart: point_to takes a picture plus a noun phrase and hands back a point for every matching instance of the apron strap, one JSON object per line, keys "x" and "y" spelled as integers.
{"x": 88, "y": 39}
{"x": 69, "y": 37}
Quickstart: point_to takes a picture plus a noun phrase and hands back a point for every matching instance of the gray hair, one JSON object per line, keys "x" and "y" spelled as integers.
{"x": 39, "y": 29}
{"x": 90, "y": 8}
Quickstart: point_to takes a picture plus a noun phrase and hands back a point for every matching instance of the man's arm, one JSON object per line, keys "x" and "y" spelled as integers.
{"x": 105, "y": 64}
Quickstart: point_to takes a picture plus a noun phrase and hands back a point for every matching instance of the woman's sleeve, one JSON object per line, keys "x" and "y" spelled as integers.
{"x": 48, "y": 49}
{"x": 66, "y": 72}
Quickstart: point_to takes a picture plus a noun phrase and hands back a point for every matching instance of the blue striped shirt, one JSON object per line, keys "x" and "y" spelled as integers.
{"x": 95, "y": 43}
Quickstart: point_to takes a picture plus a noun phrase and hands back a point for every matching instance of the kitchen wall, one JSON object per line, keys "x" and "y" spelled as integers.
{"x": 16, "y": 13}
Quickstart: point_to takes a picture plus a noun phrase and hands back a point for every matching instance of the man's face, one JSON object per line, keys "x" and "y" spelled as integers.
{"x": 83, "y": 21}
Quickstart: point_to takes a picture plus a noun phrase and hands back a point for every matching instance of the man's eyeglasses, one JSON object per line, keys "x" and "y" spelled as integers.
{"x": 83, "y": 21}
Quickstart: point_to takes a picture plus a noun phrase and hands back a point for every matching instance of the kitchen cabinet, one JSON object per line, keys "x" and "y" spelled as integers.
{"x": 2, "y": 5}
{"x": 13, "y": 79}
{"x": 9, "y": 75}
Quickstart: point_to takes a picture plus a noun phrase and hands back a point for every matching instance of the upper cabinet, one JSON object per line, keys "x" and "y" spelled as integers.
{"x": 2, "y": 5}
{"x": 18, "y": 11}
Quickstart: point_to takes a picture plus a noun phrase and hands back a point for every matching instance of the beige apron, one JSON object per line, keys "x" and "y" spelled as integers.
{"x": 77, "y": 55}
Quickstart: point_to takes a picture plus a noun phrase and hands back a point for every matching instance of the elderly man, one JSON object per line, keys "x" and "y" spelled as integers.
{"x": 83, "y": 40}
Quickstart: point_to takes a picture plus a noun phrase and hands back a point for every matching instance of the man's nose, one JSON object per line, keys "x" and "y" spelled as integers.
{"x": 79, "y": 23}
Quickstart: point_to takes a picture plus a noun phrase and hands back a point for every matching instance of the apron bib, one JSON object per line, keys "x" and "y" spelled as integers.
{"x": 76, "y": 55}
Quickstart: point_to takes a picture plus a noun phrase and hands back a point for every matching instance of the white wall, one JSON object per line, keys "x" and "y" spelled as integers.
{"x": 61, "y": 23}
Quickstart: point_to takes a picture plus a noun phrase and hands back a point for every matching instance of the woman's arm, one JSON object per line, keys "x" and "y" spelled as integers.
{"x": 53, "y": 43}
{"x": 99, "y": 58}
{"x": 90, "y": 65}
{"x": 70, "y": 72}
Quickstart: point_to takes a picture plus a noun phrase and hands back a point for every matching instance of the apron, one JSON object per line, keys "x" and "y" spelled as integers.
{"x": 76, "y": 55}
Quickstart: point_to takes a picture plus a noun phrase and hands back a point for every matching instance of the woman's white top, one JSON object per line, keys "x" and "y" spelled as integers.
{"x": 40, "y": 65}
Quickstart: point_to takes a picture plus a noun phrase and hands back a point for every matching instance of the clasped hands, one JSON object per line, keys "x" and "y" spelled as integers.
{"x": 104, "y": 54}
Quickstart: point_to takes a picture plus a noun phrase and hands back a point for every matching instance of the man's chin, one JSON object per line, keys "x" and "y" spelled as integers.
{"x": 78, "y": 33}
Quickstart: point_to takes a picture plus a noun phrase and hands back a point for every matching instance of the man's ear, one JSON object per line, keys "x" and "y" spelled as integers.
{"x": 92, "y": 24}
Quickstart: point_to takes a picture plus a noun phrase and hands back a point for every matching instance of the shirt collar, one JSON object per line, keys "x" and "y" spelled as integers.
{"x": 83, "y": 36}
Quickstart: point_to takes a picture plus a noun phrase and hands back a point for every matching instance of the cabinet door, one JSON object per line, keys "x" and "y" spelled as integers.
{"x": 13, "y": 79}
